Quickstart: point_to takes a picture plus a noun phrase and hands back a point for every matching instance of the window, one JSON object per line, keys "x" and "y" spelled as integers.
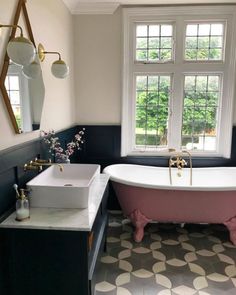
{"x": 200, "y": 112}
{"x": 12, "y": 84}
{"x": 204, "y": 41}
{"x": 152, "y": 107}
{"x": 154, "y": 42}
{"x": 18, "y": 89}
{"x": 178, "y": 80}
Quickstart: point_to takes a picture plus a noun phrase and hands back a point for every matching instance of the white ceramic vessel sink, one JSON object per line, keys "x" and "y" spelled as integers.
{"x": 69, "y": 188}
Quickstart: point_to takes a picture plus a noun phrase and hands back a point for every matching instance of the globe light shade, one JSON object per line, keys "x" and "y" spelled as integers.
{"x": 32, "y": 71}
{"x": 21, "y": 51}
{"x": 60, "y": 69}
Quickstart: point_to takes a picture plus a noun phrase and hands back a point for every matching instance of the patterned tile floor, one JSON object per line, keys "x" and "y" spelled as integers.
{"x": 196, "y": 259}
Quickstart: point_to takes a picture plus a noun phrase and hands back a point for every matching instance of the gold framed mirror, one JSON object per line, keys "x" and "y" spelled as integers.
{"x": 23, "y": 97}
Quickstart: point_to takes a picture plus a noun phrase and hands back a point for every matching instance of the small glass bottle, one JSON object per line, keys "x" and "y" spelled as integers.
{"x": 22, "y": 207}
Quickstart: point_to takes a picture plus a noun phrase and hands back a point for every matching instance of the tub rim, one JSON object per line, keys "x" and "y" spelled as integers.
{"x": 169, "y": 187}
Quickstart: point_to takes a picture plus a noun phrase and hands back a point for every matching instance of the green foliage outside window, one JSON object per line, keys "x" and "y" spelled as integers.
{"x": 199, "y": 112}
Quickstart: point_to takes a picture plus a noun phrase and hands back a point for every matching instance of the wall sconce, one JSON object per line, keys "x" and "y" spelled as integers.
{"x": 20, "y": 49}
{"x": 32, "y": 70}
{"x": 22, "y": 52}
{"x": 59, "y": 68}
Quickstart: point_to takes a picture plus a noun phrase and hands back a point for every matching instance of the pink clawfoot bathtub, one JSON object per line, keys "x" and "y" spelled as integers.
{"x": 145, "y": 194}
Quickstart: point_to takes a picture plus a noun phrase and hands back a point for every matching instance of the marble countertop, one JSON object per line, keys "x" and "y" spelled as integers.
{"x": 63, "y": 219}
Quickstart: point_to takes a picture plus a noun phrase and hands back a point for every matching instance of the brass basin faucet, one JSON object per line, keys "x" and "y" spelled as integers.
{"x": 38, "y": 164}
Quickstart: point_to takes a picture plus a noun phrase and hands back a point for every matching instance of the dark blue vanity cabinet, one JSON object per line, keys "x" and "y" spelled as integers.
{"x": 53, "y": 262}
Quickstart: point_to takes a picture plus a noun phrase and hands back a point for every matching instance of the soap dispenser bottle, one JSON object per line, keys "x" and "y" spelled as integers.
{"x": 22, "y": 206}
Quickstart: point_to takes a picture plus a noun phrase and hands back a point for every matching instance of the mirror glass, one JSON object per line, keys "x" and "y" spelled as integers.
{"x": 26, "y": 97}
{"x": 23, "y": 96}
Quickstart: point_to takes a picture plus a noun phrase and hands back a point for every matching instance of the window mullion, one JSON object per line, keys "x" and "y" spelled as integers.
{"x": 176, "y": 107}
{"x": 176, "y": 104}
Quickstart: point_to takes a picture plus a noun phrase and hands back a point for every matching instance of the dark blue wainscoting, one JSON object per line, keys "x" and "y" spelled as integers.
{"x": 102, "y": 146}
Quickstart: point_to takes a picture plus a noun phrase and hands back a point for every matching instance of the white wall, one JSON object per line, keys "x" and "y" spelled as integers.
{"x": 98, "y": 68}
{"x": 52, "y": 25}
{"x": 98, "y": 51}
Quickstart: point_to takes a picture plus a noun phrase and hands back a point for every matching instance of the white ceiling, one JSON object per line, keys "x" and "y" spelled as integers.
{"x": 109, "y": 6}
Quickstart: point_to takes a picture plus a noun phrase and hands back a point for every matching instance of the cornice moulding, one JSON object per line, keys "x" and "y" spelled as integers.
{"x": 95, "y": 8}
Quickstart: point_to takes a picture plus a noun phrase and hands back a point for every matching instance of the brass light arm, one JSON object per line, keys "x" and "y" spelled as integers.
{"x": 53, "y": 52}
{"x": 42, "y": 52}
{"x": 13, "y": 26}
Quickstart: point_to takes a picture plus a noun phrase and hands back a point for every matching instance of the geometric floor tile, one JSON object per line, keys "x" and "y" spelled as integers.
{"x": 197, "y": 269}
{"x": 200, "y": 283}
{"x": 123, "y": 279}
{"x": 176, "y": 262}
{"x": 163, "y": 280}
{"x": 191, "y": 256}
{"x": 104, "y": 287}
{"x": 159, "y": 267}
{"x": 170, "y": 260}
{"x": 142, "y": 273}
{"x": 217, "y": 277}
{"x": 230, "y": 271}
{"x": 184, "y": 290}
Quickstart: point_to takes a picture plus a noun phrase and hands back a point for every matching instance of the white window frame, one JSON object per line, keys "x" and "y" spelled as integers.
{"x": 179, "y": 67}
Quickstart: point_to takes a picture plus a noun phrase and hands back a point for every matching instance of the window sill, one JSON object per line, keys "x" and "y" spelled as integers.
{"x": 167, "y": 154}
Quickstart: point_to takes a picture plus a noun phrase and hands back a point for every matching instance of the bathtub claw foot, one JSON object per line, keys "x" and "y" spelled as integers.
{"x": 139, "y": 221}
{"x": 231, "y": 225}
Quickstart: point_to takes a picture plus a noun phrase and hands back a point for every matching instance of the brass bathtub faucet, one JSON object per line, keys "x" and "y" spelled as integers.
{"x": 178, "y": 161}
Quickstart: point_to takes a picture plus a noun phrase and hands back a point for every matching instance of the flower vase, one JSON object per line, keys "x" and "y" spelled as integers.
{"x": 67, "y": 160}
{"x": 64, "y": 160}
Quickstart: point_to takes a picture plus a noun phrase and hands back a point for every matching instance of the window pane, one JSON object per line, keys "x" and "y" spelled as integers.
{"x": 216, "y": 42}
{"x": 153, "y": 54}
{"x": 141, "y": 43}
{"x": 215, "y": 54}
{"x": 204, "y": 42}
{"x": 141, "y": 54}
{"x": 191, "y": 42}
{"x": 217, "y": 29}
{"x": 166, "y": 30}
{"x": 201, "y": 102}
{"x": 204, "y": 30}
{"x": 14, "y": 82}
{"x": 152, "y": 111}
{"x": 141, "y": 83}
{"x": 154, "y": 30}
{"x": 153, "y": 83}
{"x": 165, "y": 54}
{"x": 191, "y": 30}
{"x": 141, "y": 31}
{"x": 191, "y": 54}
{"x": 14, "y": 97}
{"x": 7, "y": 83}
{"x": 154, "y": 42}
